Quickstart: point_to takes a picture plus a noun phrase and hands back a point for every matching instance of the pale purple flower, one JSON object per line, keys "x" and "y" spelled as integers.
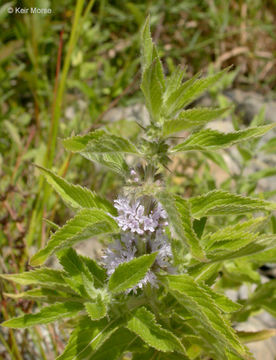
{"x": 140, "y": 231}
{"x": 132, "y": 216}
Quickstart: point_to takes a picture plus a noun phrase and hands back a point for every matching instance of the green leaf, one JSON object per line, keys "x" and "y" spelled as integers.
{"x": 205, "y": 272}
{"x": 75, "y": 269}
{"x": 152, "y": 90}
{"x": 120, "y": 342}
{"x": 242, "y": 271}
{"x": 97, "y": 310}
{"x": 43, "y": 276}
{"x": 174, "y": 100}
{"x": 189, "y": 91}
{"x": 253, "y": 336}
{"x": 75, "y": 195}
{"x": 191, "y": 118}
{"x": 174, "y": 82}
{"x": 79, "y": 142}
{"x": 86, "y": 224}
{"x": 199, "y": 225}
{"x": 110, "y": 144}
{"x": 113, "y": 161}
{"x": 143, "y": 323}
{"x": 218, "y": 159}
{"x": 227, "y": 252}
{"x": 220, "y": 202}
{"x": 199, "y": 303}
{"x": 98, "y": 273}
{"x": 179, "y": 214}
{"x": 46, "y": 315}
{"x": 146, "y": 45}
{"x": 128, "y": 274}
{"x": 45, "y": 295}
{"x": 222, "y": 302}
{"x": 87, "y": 337}
{"x": 235, "y": 232}
{"x": 208, "y": 139}
{"x": 261, "y": 174}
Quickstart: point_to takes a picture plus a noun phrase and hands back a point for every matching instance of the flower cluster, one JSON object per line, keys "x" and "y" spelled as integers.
{"x": 132, "y": 216}
{"x": 141, "y": 231}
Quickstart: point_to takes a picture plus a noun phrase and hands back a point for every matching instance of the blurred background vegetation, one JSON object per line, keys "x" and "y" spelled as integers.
{"x": 64, "y": 72}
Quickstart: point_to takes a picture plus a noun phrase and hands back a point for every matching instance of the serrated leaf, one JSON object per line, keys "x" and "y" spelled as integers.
{"x": 199, "y": 225}
{"x": 119, "y": 342}
{"x": 242, "y": 271}
{"x": 128, "y": 274}
{"x": 189, "y": 91}
{"x": 178, "y": 211}
{"x": 98, "y": 272}
{"x": 152, "y": 90}
{"x": 87, "y": 337}
{"x": 220, "y": 202}
{"x": 96, "y": 310}
{"x": 79, "y": 142}
{"x": 174, "y": 82}
{"x": 222, "y": 302}
{"x": 75, "y": 195}
{"x": 232, "y": 238}
{"x": 46, "y": 315}
{"x": 191, "y": 118}
{"x": 44, "y": 276}
{"x": 174, "y": 100}
{"x": 75, "y": 269}
{"x": 113, "y": 161}
{"x": 205, "y": 272}
{"x": 208, "y": 139}
{"x": 146, "y": 45}
{"x": 199, "y": 303}
{"x": 143, "y": 323}
{"x": 86, "y": 224}
{"x": 262, "y": 243}
{"x": 109, "y": 144}
{"x": 45, "y": 295}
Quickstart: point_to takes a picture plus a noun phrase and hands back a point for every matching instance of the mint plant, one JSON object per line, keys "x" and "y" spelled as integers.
{"x": 158, "y": 290}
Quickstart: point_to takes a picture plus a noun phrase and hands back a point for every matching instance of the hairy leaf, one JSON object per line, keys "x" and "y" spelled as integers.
{"x": 220, "y": 202}
{"x": 44, "y": 276}
{"x": 143, "y": 323}
{"x": 75, "y": 195}
{"x": 119, "y": 342}
{"x": 46, "y": 315}
{"x": 178, "y": 211}
{"x": 87, "y": 337}
{"x": 113, "y": 161}
{"x": 191, "y": 118}
{"x": 108, "y": 143}
{"x": 98, "y": 273}
{"x": 128, "y": 274}
{"x": 75, "y": 268}
{"x": 86, "y": 224}
{"x": 208, "y": 139}
{"x": 152, "y": 90}
{"x": 174, "y": 82}
{"x": 45, "y": 295}
{"x": 189, "y": 91}
{"x": 96, "y": 310}
{"x": 199, "y": 303}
